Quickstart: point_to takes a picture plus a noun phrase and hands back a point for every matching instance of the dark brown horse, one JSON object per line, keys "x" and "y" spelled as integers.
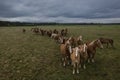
{"x": 107, "y": 41}
{"x": 91, "y": 49}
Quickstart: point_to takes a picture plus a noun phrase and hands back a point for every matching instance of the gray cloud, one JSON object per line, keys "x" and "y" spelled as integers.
{"x": 60, "y": 10}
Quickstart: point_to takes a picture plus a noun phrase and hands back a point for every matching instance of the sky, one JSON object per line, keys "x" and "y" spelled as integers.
{"x": 61, "y": 11}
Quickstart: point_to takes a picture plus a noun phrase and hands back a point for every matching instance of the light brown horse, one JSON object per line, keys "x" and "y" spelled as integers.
{"x": 75, "y": 58}
{"x": 79, "y": 57}
{"x": 91, "y": 50}
{"x": 107, "y": 41}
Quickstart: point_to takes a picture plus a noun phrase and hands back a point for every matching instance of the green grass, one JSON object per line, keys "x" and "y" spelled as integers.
{"x": 35, "y": 57}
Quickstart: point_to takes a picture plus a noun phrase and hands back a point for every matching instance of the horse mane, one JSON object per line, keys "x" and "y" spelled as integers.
{"x": 63, "y": 41}
{"x": 91, "y": 43}
{"x": 76, "y": 52}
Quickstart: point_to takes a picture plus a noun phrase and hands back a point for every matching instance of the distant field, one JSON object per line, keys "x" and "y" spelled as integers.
{"x": 35, "y": 57}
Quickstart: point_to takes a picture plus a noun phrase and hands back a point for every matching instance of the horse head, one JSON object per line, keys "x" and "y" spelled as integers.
{"x": 99, "y": 44}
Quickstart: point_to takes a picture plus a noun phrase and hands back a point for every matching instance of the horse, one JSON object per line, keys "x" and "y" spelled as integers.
{"x": 79, "y": 40}
{"x": 75, "y": 58}
{"x": 107, "y": 41}
{"x": 91, "y": 49}
{"x": 49, "y": 33}
{"x": 64, "y": 32}
{"x": 76, "y": 41}
{"x": 83, "y": 55}
{"x": 35, "y": 30}
{"x": 62, "y": 39}
{"x": 42, "y": 32}
{"x": 65, "y": 50}
{"x": 55, "y": 31}
{"x": 53, "y": 35}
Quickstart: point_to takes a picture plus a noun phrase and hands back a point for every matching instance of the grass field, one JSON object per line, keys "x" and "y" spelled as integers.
{"x": 35, "y": 57}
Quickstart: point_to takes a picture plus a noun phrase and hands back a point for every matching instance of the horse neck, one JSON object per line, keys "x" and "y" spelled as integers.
{"x": 93, "y": 45}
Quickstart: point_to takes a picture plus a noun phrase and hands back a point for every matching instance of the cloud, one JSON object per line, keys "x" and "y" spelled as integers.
{"x": 60, "y": 10}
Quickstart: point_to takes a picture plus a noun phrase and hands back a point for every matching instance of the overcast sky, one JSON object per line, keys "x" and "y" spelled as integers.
{"x": 60, "y": 10}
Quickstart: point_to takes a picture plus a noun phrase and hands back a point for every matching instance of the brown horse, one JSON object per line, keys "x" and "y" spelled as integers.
{"x": 49, "y": 33}
{"x": 64, "y": 32}
{"x": 62, "y": 39}
{"x": 65, "y": 50}
{"x": 75, "y": 58}
{"x": 79, "y": 57}
{"x": 35, "y": 30}
{"x": 76, "y": 41}
{"x": 91, "y": 50}
{"x": 55, "y": 31}
{"x": 79, "y": 40}
{"x": 107, "y": 41}
{"x": 83, "y": 55}
{"x": 42, "y": 32}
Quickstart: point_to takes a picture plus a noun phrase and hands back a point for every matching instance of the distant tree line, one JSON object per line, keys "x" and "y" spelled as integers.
{"x": 8, "y": 23}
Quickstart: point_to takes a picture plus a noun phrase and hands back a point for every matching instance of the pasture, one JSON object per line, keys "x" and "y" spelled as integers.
{"x": 27, "y": 56}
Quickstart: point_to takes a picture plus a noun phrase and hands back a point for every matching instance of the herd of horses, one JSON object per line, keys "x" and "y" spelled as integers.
{"x": 74, "y": 51}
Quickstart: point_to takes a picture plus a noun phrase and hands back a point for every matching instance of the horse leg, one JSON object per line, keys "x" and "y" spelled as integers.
{"x": 77, "y": 68}
{"x": 62, "y": 60}
{"x": 69, "y": 59}
{"x": 107, "y": 45}
{"x": 64, "y": 63}
{"x": 81, "y": 61}
{"x": 92, "y": 58}
{"x": 88, "y": 58}
{"x": 74, "y": 66}
{"x": 112, "y": 43}
{"x": 84, "y": 67}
